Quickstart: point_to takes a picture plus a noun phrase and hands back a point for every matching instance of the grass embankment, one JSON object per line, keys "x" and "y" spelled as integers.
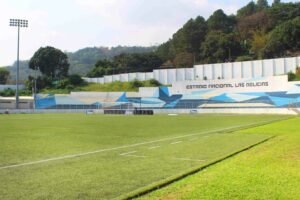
{"x": 268, "y": 171}
{"x": 117, "y": 86}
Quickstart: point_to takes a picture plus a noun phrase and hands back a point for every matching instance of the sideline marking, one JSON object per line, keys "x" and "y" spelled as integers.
{"x": 134, "y": 145}
{"x": 124, "y": 154}
{"x": 176, "y": 142}
{"x": 136, "y": 156}
{"x": 154, "y": 147}
{"x": 189, "y": 159}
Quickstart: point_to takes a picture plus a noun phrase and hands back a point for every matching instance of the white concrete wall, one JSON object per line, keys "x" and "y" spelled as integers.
{"x": 149, "y": 75}
{"x": 236, "y": 70}
{"x": 116, "y": 78}
{"x": 227, "y": 71}
{"x": 13, "y": 87}
{"x": 217, "y": 71}
{"x": 132, "y": 76}
{"x": 156, "y": 74}
{"x": 163, "y": 76}
{"x": 189, "y": 74}
{"x": 108, "y": 79}
{"x": 171, "y": 76}
{"x": 180, "y": 74}
{"x": 124, "y": 77}
{"x": 257, "y": 66}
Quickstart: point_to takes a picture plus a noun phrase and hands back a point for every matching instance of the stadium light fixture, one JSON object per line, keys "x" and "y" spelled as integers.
{"x": 20, "y": 23}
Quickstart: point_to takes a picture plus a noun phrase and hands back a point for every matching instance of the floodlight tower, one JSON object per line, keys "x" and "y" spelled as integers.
{"x": 20, "y": 23}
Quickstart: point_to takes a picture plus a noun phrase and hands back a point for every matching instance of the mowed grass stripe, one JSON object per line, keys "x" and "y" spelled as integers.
{"x": 42, "y": 137}
{"x": 134, "y": 145}
{"x": 108, "y": 175}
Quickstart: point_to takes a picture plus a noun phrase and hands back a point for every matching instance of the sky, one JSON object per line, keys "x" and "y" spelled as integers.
{"x": 74, "y": 24}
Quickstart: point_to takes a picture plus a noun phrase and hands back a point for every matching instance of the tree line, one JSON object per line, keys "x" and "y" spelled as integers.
{"x": 257, "y": 31}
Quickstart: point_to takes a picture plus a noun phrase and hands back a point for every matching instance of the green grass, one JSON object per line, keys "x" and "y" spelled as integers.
{"x": 268, "y": 171}
{"x": 107, "y": 87}
{"x": 106, "y": 175}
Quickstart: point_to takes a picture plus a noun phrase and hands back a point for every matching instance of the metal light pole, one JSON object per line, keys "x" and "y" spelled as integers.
{"x": 18, "y": 23}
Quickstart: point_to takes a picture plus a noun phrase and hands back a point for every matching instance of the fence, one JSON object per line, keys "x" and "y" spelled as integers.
{"x": 12, "y": 87}
{"x": 235, "y": 70}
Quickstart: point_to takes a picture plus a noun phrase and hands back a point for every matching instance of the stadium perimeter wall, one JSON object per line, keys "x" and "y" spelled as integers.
{"x": 254, "y": 111}
{"x": 12, "y": 87}
{"x": 234, "y": 70}
{"x": 256, "y": 93}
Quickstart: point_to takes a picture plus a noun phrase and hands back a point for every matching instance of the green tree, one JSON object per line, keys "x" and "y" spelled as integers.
{"x": 51, "y": 62}
{"x": 165, "y": 52}
{"x": 262, "y": 4}
{"x": 258, "y": 21}
{"x": 102, "y": 67}
{"x": 219, "y": 47}
{"x": 275, "y": 2}
{"x": 4, "y": 75}
{"x": 220, "y": 21}
{"x": 284, "y": 39}
{"x": 247, "y": 10}
{"x": 137, "y": 62}
{"x": 184, "y": 60}
{"x": 283, "y": 12}
{"x": 190, "y": 36}
{"x": 167, "y": 64}
{"x": 258, "y": 44}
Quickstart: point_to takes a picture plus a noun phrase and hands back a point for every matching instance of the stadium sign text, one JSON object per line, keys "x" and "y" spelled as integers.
{"x": 228, "y": 85}
{"x": 261, "y": 84}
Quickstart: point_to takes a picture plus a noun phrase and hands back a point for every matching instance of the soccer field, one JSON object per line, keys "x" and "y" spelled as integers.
{"x": 74, "y": 156}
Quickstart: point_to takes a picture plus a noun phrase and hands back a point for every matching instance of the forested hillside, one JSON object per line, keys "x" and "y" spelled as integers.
{"x": 257, "y": 31}
{"x": 83, "y": 60}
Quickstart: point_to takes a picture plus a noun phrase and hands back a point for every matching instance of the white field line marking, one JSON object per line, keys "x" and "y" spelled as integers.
{"x": 136, "y": 156}
{"x": 189, "y": 159}
{"x": 154, "y": 147}
{"x": 127, "y": 146}
{"x": 124, "y": 154}
{"x": 176, "y": 142}
{"x": 193, "y": 139}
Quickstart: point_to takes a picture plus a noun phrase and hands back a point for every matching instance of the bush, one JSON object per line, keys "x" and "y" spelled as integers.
{"x": 7, "y": 93}
{"x": 70, "y": 87}
{"x": 4, "y": 74}
{"x": 11, "y": 93}
{"x": 63, "y": 83}
{"x": 291, "y": 76}
{"x": 136, "y": 84}
{"x": 76, "y": 80}
{"x": 154, "y": 82}
{"x": 298, "y": 73}
{"x": 243, "y": 58}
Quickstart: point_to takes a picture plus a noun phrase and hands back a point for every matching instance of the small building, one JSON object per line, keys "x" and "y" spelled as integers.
{"x": 25, "y": 102}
